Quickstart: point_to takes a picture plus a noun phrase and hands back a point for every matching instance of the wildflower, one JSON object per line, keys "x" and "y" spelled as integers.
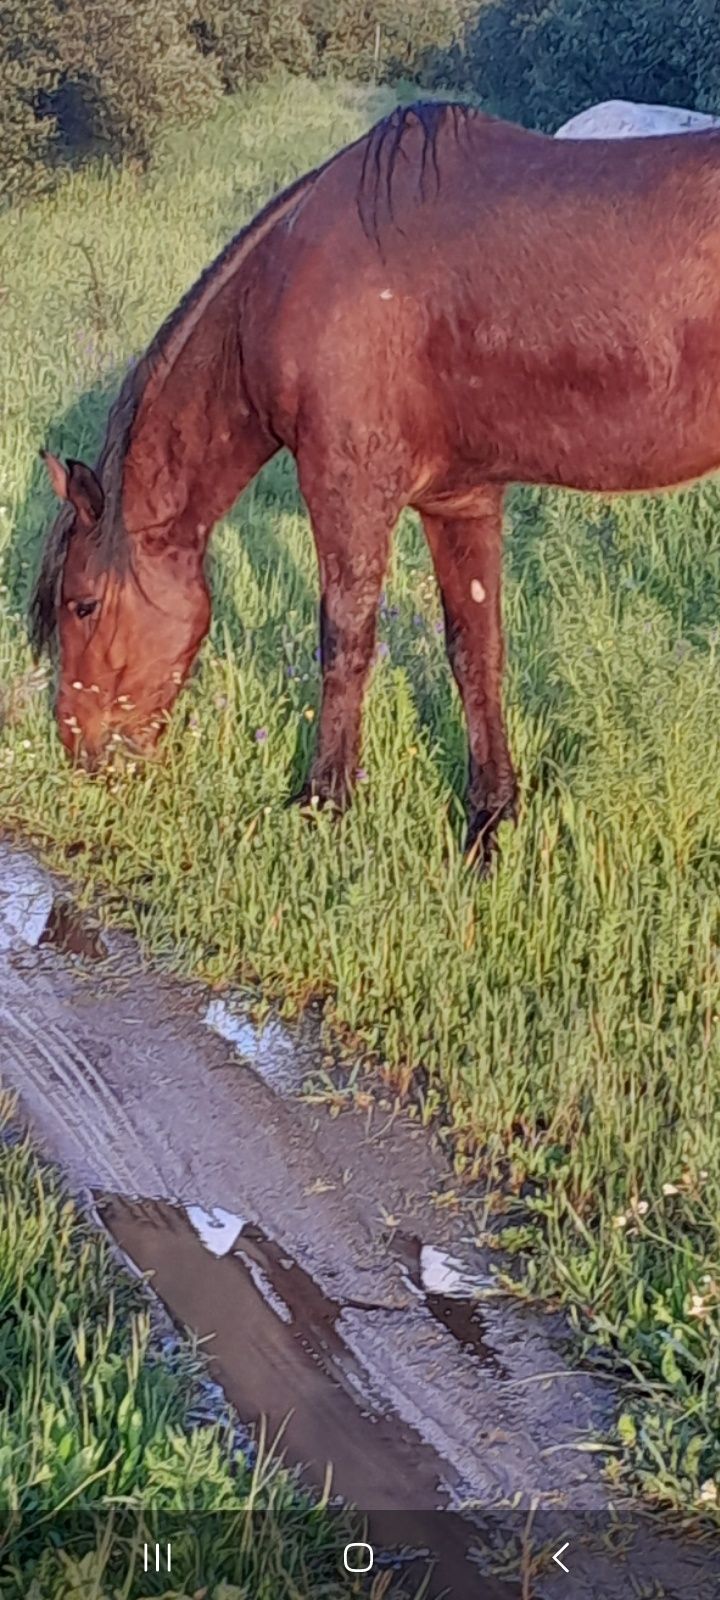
{"x": 361, "y": 775}
{"x": 641, "y": 1208}
{"x": 309, "y": 714}
{"x": 620, "y": 1221}
{"x": 438, "y": 627}
{"x": 698, "y": 1306}
{"x": 260, "y": 735}
{"x": 412, "y": 750}
{"x": 671, "y": 1188}
{"x": 709, "y": 1492}
{"x": 383, "y": 651}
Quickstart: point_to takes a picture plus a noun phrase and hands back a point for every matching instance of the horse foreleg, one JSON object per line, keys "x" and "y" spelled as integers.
{"x": 353, "y": 544}
{"x": 467, "y": 555}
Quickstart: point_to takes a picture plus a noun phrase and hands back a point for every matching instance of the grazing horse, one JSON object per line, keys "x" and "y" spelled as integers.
{"x": 449, "y": 305}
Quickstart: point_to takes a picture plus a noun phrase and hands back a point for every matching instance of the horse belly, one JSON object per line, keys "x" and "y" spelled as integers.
{"x": 615, "y": 427}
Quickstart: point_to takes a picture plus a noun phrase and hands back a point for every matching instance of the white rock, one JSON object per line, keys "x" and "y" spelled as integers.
{"x": 623, "y": 119}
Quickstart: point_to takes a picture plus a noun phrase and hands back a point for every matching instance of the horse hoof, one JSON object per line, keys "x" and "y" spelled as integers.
{"x": 482, "y": 850}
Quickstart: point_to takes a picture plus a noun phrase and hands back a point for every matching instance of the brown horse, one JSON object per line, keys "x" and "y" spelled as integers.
{"x": 447, "y": 306}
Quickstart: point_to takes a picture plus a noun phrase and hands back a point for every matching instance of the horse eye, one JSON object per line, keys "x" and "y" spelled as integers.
{"x": 84, "y": 608}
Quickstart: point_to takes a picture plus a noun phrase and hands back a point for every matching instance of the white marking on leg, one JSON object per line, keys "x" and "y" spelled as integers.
{"x": 477, "y": 592}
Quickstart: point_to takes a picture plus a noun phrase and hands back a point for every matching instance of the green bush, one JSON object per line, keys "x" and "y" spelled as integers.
{"x": 84, "y": 76}
{"x": 135, "y": 65}
{"x": 542, "y": 62}
{"x": 248, "y": 39}
{"x": 383, "y": 38}
{"x": 27, "y": 69}
{"x": 79, "y": 77}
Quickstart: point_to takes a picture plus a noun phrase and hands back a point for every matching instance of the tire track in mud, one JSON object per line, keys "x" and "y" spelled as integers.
{"x": 58, "y": 1070}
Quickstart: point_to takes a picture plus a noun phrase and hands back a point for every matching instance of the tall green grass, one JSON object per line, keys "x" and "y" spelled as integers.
{"x": 561, "y": 1019}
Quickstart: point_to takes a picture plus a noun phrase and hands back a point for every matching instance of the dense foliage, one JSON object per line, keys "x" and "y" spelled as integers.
{"x": 82, "y": 77}
{"x": 542, "y": 61}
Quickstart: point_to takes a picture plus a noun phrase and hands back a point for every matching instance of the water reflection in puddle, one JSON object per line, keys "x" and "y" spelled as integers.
{"x": 441, "y": 1274}
{"x": 26, "y": 899}
{"x": 218, "y": 1230}
{"x": 33, "y": 913}
{"x": 270, "y": 1050}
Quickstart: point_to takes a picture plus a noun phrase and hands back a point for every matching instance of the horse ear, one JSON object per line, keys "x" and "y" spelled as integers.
{"x": 84, "y": 490}
{"x": 77, "y": 483}
{"x": 56, "y": 473}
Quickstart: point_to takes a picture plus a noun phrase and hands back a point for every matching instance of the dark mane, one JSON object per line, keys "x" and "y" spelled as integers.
{"x": 385, "y": 149}
{"x": 111, "y": 541}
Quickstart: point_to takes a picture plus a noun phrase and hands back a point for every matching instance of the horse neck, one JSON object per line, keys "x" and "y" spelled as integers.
{"x": 197, "y": 438}
{"x": 192, "y": 454}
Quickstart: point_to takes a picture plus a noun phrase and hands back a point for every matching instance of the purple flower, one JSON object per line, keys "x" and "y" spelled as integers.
{"x": 383, "y": 650}
{"x": 260, "y": 735}
{"x": 291, "y": 671}
{"x": 439, "y": 627}
{"x": 361, "y": 775}
{"x": 317, "y": 655}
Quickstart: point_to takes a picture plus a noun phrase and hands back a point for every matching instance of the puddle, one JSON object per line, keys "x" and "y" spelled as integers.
{"x": 295, "y": 1371}
{"x": 441, "y": 1274}
{"x": 71, "y": 933}
{"x": 26, "y": 901}
{"x": 270, "y": 1050}
{"x": 33, "y": 913}
{"x": 218, "y": 1230}
{"x": 451, "y": 1293}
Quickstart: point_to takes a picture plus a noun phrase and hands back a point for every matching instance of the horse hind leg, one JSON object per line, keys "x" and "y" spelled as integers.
{"x": 467, "y": 555}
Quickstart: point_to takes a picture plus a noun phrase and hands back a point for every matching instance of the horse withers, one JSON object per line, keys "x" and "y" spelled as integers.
{"x": 447, "y": 306}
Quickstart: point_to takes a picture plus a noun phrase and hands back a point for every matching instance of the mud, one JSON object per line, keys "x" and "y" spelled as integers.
{"x": 329, "y": 1257}
{"x": 290, "y": 1348}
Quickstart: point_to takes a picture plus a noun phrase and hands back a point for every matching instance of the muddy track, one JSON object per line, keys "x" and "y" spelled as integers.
{"x": 315, "y": 1250}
